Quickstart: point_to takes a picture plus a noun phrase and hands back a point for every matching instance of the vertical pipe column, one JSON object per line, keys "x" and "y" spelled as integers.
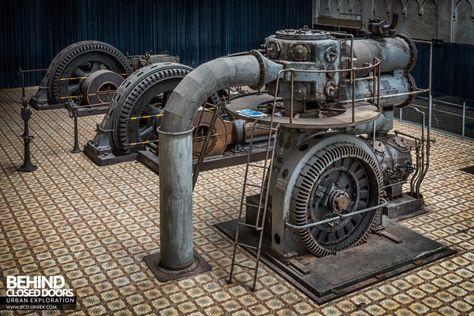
{"x": 176, "y": 218}
{"x": 176, "y": 174}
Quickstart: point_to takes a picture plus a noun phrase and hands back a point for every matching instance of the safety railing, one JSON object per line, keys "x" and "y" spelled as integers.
{"x": 375, "y": 77}
{"x": 455, "y": 119}
{"x": 62, "y": 100}
{"x": 71, "y": 103}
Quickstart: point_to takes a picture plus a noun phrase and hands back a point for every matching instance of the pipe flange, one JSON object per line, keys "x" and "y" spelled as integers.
{"x": 330, "y": 89}
{"x": 413, "y": 52}
{"x": 189, "y": 131}
{"x": 239, "y": 131}
{"x": 261, "y": 62}
{"x": 273, "y": 49}
{"x": 413, "y": 87}
{"x": 330, "y": 55}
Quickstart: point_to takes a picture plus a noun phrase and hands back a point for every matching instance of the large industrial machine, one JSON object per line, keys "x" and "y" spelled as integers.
{"x": 318, "y": 113}
{"x": 335, "y": 166}
{"x": 130, "y": 128}
{"x": 334, "y": 154}
{"x": 88, "y": 72}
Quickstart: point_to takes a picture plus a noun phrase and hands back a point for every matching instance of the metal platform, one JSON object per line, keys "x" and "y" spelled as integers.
{"x": 390, "y": 252}
{"x": 365, "y": 113}
{"x": 229, "y": 158}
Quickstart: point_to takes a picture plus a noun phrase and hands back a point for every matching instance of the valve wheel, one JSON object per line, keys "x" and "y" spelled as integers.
{"x": 340, "y": 179}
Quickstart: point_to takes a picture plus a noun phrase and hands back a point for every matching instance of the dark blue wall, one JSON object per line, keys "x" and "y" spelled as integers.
{"x": 34, "y": 31}
{"x": 453, "y": 69}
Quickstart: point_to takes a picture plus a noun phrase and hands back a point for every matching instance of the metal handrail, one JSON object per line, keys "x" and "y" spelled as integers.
{"x": 332, "y": 219}
{"x": 375, "y": 67}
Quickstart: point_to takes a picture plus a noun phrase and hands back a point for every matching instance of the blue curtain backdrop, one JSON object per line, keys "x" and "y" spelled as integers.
{"x": 453, "y": 69}
{"x": 34, "y": 31}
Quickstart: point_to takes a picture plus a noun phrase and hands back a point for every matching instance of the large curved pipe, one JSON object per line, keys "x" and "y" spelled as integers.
{"x": 176, "y": 227}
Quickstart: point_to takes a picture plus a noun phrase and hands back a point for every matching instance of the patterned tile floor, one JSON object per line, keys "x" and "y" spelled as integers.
{"x": 94, "y": 225}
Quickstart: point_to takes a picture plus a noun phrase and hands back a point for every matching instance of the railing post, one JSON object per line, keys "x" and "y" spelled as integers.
{"x": 27, "y": 165}
{"x": 353, "y": 93}
{"x": 463, "y": 131}
{"x": 401, "y": 115}
{"x": 430, "y": 109}
{"x": 292, "y": 94}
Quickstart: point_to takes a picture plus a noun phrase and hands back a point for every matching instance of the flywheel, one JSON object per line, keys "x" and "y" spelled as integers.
{"x": 75, "y": 63}
{"x": 138, "y": 104}
{"x": 340, "y": 179}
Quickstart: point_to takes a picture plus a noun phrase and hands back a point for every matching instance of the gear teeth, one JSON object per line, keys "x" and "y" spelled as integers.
{"x": 126, "y": 101}
{"x": 304, "y": 187}
{"x": 70, "y": 54}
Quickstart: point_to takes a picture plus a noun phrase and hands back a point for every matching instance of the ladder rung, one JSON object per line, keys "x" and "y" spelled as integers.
{"x": 251, "y": 204}
{"x": 259, "y": 147}
{"x": 247, "y": 246}
{"x": 251, "y": 226}
{"x": 254, "y": 185}
{"x": 258, "y": 166}
{"x": 244, "y": 266}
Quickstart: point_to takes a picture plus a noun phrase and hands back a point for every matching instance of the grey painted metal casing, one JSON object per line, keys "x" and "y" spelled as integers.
{"x": 176, "y": 221}
{"x": 393, "y": 52}
{"x": 176, "y": 184}
{"x": 395, "y": 83}
{"x": 305, "y": 50}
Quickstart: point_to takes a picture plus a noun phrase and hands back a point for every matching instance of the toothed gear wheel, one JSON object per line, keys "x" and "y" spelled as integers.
{"x": 71, "y": 66}
{"x": 138, "y": 101}
{"x": 136, "y": 106}
{"x": 339, "y": 179}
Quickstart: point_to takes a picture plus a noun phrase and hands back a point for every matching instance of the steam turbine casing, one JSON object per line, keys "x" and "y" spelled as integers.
{"x": 307, "y": 49}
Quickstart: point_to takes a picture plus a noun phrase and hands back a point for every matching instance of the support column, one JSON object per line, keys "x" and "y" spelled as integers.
{"x": 176, "y": 258}
{"x": 176, "y": 218}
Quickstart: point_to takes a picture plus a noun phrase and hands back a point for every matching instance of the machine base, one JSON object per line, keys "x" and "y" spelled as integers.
{"x": 83, "y": 110}
{"x": 105, "y": 157}
{"x": 163, "y": 275}
{"x": 152, "y": 161}
{"x": 42, "y": 104}
{"x": 384, "y": 255}
{"x": 404, "y": 207}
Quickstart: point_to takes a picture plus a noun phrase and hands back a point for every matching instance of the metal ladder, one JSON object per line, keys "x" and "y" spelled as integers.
{"x": 263, "y": 199}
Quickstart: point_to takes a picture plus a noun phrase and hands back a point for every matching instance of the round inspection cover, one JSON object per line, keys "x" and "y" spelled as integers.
{"x": 71, "y": 66}
{"x": 100, "y": 87}
{"x": 340, "y": 179}
{"x": 218, "y": 139}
